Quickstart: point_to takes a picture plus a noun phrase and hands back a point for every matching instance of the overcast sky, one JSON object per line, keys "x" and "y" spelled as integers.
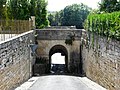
{"x": 57, "y": 5}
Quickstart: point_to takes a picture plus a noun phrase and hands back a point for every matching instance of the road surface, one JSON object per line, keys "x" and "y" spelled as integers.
{"x": 59, "y": 82}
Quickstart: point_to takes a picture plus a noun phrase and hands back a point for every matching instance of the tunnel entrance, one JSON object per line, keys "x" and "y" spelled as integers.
{"x": 58, "y": 60}
{"x": 57, "y": 63}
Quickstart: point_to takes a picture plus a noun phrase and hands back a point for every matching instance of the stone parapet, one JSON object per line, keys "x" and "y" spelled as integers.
{"x": 15, "y": 60}
{"x": 58, "y": 34}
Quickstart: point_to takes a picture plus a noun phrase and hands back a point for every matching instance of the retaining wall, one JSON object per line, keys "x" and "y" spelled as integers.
{"x": 101, "y": 61}
{"x": 15, "y": 60}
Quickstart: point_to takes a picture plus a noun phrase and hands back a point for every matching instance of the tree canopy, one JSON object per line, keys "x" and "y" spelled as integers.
{"x": 2, "y": 8}
{"x": 24, "y": 9}
{"x": 19, "y": 9}
{"x": 72, "y": 15}
{"x": 54, "y": 18}
{"x": 109, "y": 6}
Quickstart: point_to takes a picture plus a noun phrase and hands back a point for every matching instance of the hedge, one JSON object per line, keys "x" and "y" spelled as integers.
{"x": 107, "y": 24}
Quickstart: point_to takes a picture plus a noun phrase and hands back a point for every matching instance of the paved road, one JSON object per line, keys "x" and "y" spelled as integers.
{"x": 59, "y": 82}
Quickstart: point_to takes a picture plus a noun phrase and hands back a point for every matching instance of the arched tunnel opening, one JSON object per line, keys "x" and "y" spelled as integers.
{"x": 58, "y": 60}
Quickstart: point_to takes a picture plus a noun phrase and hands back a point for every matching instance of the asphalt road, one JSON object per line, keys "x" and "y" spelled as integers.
{"x": 59, "y": 82}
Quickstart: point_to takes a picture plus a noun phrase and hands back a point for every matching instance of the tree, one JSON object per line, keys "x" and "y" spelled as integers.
{"x": 74, "y": 15}
{"x": 51, "y": 19}
{"x": 109, "y": 6}
{"x": 32, "y": 7}
{"x": 38, "y": 9}
{"x": 2, "y": 8}
{"x": 19, "y": 9}
{"x": 54, "y": 18}
{"x": 24, "y": 9}
{"x": 41, "y": 14}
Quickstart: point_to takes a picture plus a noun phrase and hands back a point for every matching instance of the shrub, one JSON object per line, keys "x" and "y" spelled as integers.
{"x": 107, "y": 24}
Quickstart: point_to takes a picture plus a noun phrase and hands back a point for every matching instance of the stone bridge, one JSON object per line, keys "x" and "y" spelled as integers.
{"x": 51, "y": 41}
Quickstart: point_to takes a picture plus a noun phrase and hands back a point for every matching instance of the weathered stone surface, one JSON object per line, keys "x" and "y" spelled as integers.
{"x": 101, "y": 62}
{"x": 15, "y": 61}
{"x": 44, "y": 47}
{"x": 58, "y": 34}
{"x": 39, "y": 69}
{"x": 48, "y": 38}
{"x": 100, "y": 57}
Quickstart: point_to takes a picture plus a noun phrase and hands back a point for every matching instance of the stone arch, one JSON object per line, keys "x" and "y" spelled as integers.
{"x": 61, "y": 49}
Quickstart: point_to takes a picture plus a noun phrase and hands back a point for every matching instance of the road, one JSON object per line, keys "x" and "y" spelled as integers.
{"x": 61, "y": 82}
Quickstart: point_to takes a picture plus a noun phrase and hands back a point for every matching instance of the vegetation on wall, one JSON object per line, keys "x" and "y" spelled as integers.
{"x": 107, "y": 24}
{"x": 70, "y": 38}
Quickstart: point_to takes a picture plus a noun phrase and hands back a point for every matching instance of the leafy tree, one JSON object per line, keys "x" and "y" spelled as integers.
{"x": 32, "y": 7}
{"x": 109, "y": 6}
{"x": 2, "y": 8}
{"x": 57, "y": 18}
{"x": 41, "y": 14}
{"x": 74, "y": 15}
{"x": 54, "y": 18}
{"x": 19, "y": 9}
{"x": 23, "y": 9}
{"x": 38, "y": 9}
{"x": 51, "y": 19}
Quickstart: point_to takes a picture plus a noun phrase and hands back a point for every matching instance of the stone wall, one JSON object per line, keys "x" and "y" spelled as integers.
{"x": 101, "y": 61}
{"x": 44, "y": 47}
{"x": 48, "y": 38}
{"x": 15, "y": 60}
{"x": 58, "y": 34}
{"x": 61, "y": 27}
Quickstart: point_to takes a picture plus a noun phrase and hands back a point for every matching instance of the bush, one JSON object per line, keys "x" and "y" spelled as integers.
{"x": 107, "y": 24}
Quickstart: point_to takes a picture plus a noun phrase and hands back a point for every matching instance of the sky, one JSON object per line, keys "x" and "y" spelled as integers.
{"x": 58, "y": 59}
{"x": 57, "y": 5}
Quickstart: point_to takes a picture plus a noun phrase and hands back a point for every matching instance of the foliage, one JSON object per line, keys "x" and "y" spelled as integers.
{"x": 41, "y": 14}
{"x": 2, "y": 8}
{"x": 19, "y": 9}
{"x": 32, "y": 7}
{"x": 109, "y": 5}
{"x": 54, "y": 18}
{"x": 95, "y": 11}
{"x": 107, "y": 24}
{"x": 51, "y": 19}
{"x": 74, "y": 15}
{"x": 69, "y": 40}
{"x": 24, "y": 9}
